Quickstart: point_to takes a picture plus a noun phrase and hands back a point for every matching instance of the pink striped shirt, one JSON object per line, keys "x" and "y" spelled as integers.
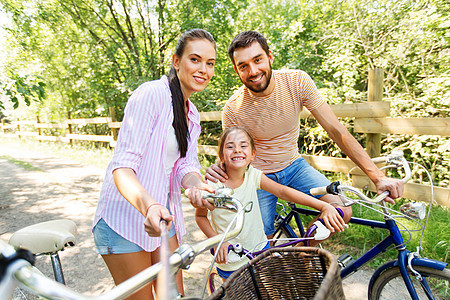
{"x": 141, "y": 146}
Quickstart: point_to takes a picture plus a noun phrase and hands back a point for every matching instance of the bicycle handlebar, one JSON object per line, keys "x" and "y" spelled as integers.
{"x": 395, "y": 159}
{"x": 30, "y": 278}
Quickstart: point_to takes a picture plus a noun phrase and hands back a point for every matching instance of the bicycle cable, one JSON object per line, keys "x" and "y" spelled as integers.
{"x": 391, "y": 217}
{"x": 216, "y": 252}
{"x": 419, "y": 248}
{"x": 371, "y": 205}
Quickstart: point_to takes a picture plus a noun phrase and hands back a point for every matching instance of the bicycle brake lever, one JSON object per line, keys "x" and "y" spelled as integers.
{"x": 322, "y": 232}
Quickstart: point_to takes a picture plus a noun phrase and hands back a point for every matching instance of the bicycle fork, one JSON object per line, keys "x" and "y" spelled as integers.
{"x": 423, "y": 282}
{"x": 405, "y": 261}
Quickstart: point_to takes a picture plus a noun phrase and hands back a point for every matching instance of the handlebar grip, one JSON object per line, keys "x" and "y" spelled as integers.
{"x": 318, "y": 191}
{"x": 379, "y": 160}
{"x": 230, "y": 247}
{"x": 332, "y": 188}
{"x": 340, "y": 211}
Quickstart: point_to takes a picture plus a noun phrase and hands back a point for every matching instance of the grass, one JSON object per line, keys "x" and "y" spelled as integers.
{"x": 355, "y": 240}
{"x": 86, "y": 153}
{"x": 20, "y": 163}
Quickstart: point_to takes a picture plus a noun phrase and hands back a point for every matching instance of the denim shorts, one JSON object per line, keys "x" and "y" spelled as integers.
{"x": 300, "y": 176}
{"x": 107, "y": 241}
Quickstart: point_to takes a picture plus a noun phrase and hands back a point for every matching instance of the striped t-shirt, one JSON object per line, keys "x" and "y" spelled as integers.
{"x": 274, "y": 120}
{"x": 142, "y": 146}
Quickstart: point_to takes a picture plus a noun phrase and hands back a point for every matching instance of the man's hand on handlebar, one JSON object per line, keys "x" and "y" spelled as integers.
{"x": 394, "y": 186}
{"x": 216, "y": 173}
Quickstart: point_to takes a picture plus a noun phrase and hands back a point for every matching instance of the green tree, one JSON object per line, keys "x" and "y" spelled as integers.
{"x": 27, "y": 88}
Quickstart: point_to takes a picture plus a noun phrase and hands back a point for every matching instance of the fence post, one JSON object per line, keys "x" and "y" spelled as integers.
{"x": 69, "y": 126}
{"x": 374, "y": 93}
{"x": 39, "y": 130}
{"x": 18, "y": 128}
{"x": 112, "y": 114}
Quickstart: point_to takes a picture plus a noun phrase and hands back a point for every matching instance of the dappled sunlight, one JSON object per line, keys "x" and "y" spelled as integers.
{"x": 59, "y": 190}
{"x": 70, "y": 190}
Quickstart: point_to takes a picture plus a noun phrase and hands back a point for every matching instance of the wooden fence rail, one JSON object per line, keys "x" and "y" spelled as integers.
{"x": 371, "y": 118}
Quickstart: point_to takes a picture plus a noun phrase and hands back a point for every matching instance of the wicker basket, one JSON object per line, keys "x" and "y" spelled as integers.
{"x": 285, "y": 273}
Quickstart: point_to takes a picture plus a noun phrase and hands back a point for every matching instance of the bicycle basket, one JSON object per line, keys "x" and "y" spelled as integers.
{"x": 285, "y": 273}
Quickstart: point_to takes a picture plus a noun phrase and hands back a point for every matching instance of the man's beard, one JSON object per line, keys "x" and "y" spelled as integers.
{"x": 259, "y": 89}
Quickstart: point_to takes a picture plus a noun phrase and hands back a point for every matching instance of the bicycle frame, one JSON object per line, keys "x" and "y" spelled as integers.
{"x": 252, "y": 255}
{"x": 394, "y": 238}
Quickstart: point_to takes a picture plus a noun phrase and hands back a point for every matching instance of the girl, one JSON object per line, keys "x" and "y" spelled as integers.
{"x": 236, "y": 151}
{"x": 156, "y": 153}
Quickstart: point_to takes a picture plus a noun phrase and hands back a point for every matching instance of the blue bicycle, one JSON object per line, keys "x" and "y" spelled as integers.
{"x": 410, "y": 276}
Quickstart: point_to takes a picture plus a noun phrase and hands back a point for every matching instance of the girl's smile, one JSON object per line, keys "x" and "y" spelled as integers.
{"x": 238, "y": 152}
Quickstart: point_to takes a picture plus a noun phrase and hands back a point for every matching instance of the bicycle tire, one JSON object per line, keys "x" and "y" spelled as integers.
{"x": 390, "y": 285}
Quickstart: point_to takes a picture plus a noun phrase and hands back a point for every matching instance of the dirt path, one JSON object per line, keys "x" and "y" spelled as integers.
{"x": 59, "y": 188}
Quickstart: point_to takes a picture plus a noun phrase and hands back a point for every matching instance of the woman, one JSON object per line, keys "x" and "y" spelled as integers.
{"x": 156, "y": 153}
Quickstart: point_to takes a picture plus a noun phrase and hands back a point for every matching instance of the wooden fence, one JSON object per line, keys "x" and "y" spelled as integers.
{"x": 370, "y": 118}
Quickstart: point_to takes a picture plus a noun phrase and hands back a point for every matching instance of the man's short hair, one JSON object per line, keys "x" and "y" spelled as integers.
{"x": 244, "y": 40}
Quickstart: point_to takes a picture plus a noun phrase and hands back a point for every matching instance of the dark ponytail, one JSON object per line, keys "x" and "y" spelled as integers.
{"x": 180, "y": 124}
{"x": 179, "y": 114}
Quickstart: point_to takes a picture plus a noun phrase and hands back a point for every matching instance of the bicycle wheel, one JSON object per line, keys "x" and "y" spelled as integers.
{"x": 214, "y": 281}
{"x": 390, "y": 285}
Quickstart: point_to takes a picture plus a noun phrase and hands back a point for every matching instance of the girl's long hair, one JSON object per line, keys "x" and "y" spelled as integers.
{"x": 180, "y": 124}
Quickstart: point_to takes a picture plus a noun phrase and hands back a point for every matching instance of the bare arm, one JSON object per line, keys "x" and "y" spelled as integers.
{"x": 350, "y": 146}
{"x": 131, "y": 189}
{"x": 201, "y": 218}
{"x": 329, "y": 214}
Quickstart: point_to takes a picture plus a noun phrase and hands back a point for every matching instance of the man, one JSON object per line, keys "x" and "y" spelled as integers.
{"x": 268, "y": 105}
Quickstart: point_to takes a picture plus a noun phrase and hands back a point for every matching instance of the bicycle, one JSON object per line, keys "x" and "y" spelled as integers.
{"x": 318, "y": 231}
{"x": 46, "y": 238}
{"x": 16, "y": 265}
{"x": 409, "y": 270}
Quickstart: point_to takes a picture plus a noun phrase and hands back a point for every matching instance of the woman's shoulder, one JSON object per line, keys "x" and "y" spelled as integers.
{"x": 161, "y": 84}
{"x": 152, "y": 90}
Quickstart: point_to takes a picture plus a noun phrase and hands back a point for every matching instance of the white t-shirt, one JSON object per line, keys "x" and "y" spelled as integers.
{"x": 173, "y": 153}
{"x": 252, "y": 236}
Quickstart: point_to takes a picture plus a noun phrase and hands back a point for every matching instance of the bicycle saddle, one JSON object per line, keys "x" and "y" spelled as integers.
{"x": 46, "y": 237}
